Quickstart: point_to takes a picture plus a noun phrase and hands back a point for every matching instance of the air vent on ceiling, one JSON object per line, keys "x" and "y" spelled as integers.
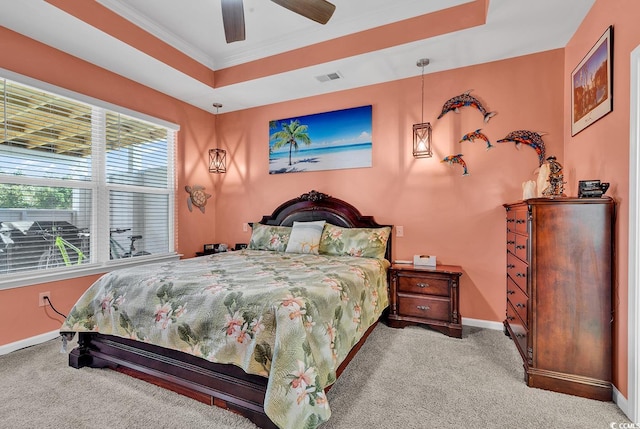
{"x": 328, "y": 77}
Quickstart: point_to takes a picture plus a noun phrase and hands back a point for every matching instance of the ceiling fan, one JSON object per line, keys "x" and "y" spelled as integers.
{"x": 233, "y": 14}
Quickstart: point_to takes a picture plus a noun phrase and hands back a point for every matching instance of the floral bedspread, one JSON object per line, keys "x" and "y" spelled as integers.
{"x": 290, "y": 317}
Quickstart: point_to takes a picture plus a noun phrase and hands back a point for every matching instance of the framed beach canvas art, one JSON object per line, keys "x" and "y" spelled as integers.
{"x": 323, "y": 141}
{"x": 591, "y": 84}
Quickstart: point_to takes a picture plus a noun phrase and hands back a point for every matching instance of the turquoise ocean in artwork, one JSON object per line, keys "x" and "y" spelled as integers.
{"x": 320, "y": 151}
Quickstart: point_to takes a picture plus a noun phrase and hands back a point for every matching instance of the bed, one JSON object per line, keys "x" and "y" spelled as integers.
{"x": 239, "y": 330}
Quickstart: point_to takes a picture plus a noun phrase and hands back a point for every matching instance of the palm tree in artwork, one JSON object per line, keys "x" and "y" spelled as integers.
{"x": 291, "y": 134}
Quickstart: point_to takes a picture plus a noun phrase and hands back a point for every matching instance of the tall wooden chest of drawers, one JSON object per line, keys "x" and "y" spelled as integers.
{"x": 559, "y": 287}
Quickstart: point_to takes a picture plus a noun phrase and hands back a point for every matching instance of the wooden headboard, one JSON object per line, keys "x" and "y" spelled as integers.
{"x": 318, "y": 206}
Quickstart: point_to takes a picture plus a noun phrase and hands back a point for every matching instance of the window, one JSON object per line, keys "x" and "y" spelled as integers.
{"x": 80, "y": 184}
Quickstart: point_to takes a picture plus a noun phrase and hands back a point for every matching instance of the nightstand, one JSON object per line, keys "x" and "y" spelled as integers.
{"x": 427, "y": 296}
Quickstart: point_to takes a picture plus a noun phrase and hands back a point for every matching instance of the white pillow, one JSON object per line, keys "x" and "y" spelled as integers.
{"x": 305, "y": 237}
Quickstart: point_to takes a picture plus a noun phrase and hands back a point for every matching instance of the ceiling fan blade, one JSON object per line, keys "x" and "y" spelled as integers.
{"x": 316, "y": 10}
{"x": 233, "y": 20}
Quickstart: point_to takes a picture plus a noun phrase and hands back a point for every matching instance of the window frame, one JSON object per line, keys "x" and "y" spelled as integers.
{"x": 100, "y": 188}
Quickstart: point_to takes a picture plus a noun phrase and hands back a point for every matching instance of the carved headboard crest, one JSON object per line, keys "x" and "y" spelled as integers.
{"x": 313, "y": 196}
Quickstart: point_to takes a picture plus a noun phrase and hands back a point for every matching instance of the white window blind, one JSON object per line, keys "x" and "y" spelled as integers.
{"x": 80, "y": 183}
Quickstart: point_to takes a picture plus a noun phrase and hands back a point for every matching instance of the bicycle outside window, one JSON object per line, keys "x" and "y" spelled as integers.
{"x": 57, "y": 197}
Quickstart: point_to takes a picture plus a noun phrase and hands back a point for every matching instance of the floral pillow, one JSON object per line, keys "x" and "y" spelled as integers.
{"x": 269, "y": 237}
{"x": 362, "y": 242}
{"x": 305, "y": 237}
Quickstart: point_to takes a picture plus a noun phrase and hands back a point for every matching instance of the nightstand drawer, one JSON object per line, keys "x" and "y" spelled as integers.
{"x": 428, "y": 285}
{"x": 434, "y": 308}
{"x": 425, "y": 296}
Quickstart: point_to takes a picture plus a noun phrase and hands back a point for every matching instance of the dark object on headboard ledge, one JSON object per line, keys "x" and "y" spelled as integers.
{"x": 226, "y": 386}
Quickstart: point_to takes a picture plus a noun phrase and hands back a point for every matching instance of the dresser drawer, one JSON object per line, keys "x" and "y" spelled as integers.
{"x": 522, "y": 243}
{"x": 511, "y": 221}
{"x": 521, "y": 221}
{"x": 424, "y": 284}
{"x": 517, "y": 298}
{"x": 435, "y": 308}
{"x": 518, "y": 328}
{"x": 517, "y": 270}
{"x": 511, "y": 242}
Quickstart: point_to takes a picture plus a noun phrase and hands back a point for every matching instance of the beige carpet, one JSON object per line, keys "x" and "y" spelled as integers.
{"x": 405, "y": 378}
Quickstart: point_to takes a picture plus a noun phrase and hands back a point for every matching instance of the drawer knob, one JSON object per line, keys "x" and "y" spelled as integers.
{"x": 510, "y": 318}
{"x": 511, "y": 242}
{"x": 520, "y": 335}
{"x": 521, "y": 246}
{"x": 422, "y": 285}
{"x": 510, "y": 292}
{"x": 520, "y": 221}
{"x": 510, "y": 266}
{"x": 521, "y": 275}
{"x": 519, "y": 305}
{"x": 422, "y": 307}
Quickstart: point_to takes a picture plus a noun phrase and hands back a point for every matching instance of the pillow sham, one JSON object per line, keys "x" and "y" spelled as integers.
{"x": 361, "y": 242}
{"x": 305, "y": 237}
{"x": 269, "y": 237}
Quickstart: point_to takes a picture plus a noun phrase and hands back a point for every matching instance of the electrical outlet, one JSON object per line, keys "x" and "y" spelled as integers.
{"x": 245, "y": 227}
{"x": 41, "y": 301}
{"x": 399, "y": 231}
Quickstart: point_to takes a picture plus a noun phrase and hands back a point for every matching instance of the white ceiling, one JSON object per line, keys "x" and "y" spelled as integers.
{"x": 512, "y": 28}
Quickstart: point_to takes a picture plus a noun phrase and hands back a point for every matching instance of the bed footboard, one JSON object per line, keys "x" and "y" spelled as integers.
{"x": 225, "y": 386}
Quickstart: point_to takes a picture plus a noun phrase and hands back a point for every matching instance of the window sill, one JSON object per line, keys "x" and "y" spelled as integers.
{"x": 10, "y": 281}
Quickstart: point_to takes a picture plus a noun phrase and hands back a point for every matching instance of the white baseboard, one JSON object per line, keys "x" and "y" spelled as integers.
{"x": 479, "y": 323}
{"x": 621, "y": 401}
{"x": 28, "y": 342}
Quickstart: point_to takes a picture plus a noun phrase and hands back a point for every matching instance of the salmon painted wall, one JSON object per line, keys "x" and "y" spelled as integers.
{"x": 601, "y": 151}
{"x": 459, "y": 219}
{"x": 19, "y": 306}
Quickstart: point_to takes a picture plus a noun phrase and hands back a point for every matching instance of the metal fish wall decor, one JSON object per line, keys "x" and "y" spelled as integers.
{"x": 457, "y": 159}
{"x": 529, "y": 138}
{"x": 465, "y": 100}
{"x": 476, "y": 135}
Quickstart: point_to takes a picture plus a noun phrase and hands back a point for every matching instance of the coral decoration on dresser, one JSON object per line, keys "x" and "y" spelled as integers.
{"x": 555, "y": 179}
{"x": 528, "y": 138}
{"x": 464, "y": 100}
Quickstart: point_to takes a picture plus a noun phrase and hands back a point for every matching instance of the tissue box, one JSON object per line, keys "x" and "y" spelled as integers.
{"x": 424, "y": 260}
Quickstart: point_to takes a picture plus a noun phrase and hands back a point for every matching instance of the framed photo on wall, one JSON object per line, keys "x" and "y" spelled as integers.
{"x": 591, "y": 84}
{"x": 323, "y": 141}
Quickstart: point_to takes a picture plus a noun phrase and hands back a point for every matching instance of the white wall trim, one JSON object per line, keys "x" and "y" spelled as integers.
{"x": 28, "y": 342}
{"x": 479, "y": 323}
{"x": 632, "y": 406}
{"x": 620, "y": 401}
